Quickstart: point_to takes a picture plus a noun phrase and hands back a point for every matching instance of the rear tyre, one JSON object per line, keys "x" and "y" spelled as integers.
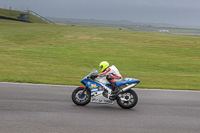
{"x": 127, "y": 99}
{"x": 81, "y": 99}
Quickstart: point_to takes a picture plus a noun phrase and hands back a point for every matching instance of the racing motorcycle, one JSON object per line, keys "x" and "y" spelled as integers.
{"x": 99, "y": 90}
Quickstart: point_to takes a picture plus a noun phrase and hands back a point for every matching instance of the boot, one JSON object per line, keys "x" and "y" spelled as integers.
{"x": 114, "y": 92}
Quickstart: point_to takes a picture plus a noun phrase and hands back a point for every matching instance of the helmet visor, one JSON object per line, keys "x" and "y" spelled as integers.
{"x": 100, "y": 67}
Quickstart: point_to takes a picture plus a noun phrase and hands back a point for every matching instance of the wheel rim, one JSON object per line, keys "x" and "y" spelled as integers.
{"x": 81, "y": 97}
{"x": 127, "y": 99}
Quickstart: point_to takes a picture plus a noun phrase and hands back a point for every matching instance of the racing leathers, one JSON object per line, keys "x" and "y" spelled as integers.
{"x": 112, "y": 75}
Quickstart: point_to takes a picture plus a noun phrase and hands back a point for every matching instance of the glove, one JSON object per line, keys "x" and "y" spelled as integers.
{"x": 93, "y": 76}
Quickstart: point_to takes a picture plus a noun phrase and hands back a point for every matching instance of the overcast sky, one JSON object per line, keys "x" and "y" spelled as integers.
{"x": 180, "y": 12}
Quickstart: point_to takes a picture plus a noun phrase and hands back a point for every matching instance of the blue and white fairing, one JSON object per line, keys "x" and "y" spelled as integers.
{"x": 92, "y": 85}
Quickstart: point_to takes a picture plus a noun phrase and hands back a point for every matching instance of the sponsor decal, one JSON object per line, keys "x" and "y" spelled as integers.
{"x": 94, "y": 90}
{"x": 88, "y": 83}
{"x": 107, "y": 101}
{"x": 93, "y": 86}
{"x": 96, "y": 100}
{"x": 129, "y": 79}
{"x": 100, "y": 88}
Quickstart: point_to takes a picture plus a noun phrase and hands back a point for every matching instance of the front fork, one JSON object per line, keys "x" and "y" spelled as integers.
{"x": 85, "y": 88}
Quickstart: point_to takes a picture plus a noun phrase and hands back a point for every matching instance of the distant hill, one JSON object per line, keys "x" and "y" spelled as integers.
{"x": 14, "y": 15}
{"x": 120, "y": 22}
{"x": 129, "y": 25}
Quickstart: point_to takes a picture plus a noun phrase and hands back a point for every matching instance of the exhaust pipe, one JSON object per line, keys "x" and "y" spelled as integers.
{"x": 126, "y": 88}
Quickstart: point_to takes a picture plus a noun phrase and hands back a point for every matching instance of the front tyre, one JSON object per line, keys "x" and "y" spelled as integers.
{"x": 127, "y": 99}
{"x": 81, "y": 99}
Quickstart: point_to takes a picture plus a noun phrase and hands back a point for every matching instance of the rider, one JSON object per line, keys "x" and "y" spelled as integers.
{"x": 112, "y": 75}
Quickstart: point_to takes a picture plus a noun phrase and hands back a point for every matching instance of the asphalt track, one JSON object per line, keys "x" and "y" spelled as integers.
{"x": 28, "y": 108}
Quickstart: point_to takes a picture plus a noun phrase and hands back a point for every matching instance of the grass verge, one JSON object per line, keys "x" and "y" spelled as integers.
{"x": 53, "y": 54}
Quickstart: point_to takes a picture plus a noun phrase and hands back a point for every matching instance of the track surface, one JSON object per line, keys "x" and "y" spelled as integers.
{"x": 28, "y": 108}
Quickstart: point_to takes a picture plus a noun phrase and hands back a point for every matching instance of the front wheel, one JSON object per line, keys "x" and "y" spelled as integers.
{"x": 127, "y": 99}
{"x": 79, "y": 98}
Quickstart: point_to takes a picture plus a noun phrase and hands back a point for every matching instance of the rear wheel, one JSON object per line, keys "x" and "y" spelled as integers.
{"x": 127, "y": 99}
{"x": 79, "y": 98}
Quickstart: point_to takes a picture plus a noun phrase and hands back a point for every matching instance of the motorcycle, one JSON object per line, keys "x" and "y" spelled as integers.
{"x": 99, "y": 90}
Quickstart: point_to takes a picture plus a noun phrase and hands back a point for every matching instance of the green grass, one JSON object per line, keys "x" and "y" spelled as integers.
{"x": 15, "y": 14}
{"x": 53, "y": 54}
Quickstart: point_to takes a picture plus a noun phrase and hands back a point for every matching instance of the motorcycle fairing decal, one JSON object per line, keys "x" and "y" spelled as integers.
{"x": 94, "y": 90}
{"x": 131, "y": 80}
{"x": 101, "y": 101}
{"x": 93, "y": 86}
{"x": 100, "y": 88}
{"x": 97, "y": 97}
{"x": 127, "y": 81}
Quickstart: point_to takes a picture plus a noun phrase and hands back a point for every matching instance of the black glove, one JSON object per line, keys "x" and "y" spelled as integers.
{"x": 93, "y": 76}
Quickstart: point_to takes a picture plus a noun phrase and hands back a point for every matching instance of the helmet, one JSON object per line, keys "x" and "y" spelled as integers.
{"x": 103, "y": 65}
